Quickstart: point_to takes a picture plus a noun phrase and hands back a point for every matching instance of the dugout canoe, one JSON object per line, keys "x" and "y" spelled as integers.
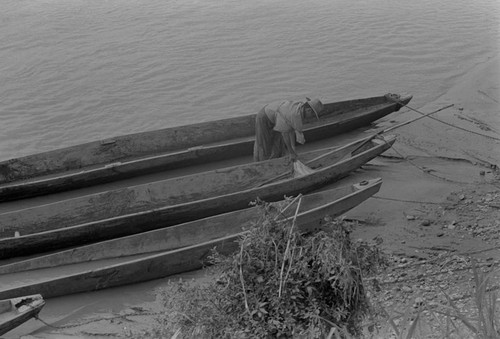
{"x": 141, "y": 208}
{"x": 169, "y": 202}
{"x": 130, "y": 155}
{"x": 16, "y": 311}
{"x": 177, "y": 249}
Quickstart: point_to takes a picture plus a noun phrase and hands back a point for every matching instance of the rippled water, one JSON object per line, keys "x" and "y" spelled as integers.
{"x": 80, "y": 70}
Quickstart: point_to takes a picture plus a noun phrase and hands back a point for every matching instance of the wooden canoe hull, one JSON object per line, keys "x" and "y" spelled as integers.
{"x": 128, "y": 156}
{"x": 12, "y": 314}
{"x": 311, "y": 217}
{"x": 330, "y": 202}
{"x": 164, "y": 212}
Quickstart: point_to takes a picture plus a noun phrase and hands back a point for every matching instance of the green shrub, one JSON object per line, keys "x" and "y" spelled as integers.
{"x": 280, "y": 284}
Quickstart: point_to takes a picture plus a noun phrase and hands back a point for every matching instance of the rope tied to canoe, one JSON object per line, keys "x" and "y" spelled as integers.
{"x": 411, "y": 201}
{"x": 424, "y": 115}
{"x": 426, "y": 170}
{"x": 37, "y": 317}
{"x": 441, "y": 121}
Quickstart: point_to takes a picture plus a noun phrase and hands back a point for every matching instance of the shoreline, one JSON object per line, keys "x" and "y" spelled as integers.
{"x": 430, "y": 159}
{"x": 430, "y": 165}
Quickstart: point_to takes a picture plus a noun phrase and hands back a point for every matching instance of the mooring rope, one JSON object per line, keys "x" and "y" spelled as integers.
{"x": 429, "y": 172}
{"x": 422, "y": 169}
{"x": 410, "y": 201}
{"x": 441, "y": 121}
{"x": 37, "y": 317}
{"x": 426, "y": 171}
{"x": 423, "y": 115}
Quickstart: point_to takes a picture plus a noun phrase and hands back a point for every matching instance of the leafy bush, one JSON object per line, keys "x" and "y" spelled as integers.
{"x": 280, "y": 284}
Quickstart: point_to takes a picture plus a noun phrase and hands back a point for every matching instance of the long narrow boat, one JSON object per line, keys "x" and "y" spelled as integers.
{"x": 136, "y": 154}
{"x": 16, "y": 311}
{"x": 155, "y": 205}
{"x": 176, "y": 249}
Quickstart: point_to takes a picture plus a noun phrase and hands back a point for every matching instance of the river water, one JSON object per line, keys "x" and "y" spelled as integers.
{"x": 80, "y": 70}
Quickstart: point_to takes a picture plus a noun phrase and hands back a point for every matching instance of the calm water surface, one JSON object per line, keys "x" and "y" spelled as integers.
{"x": 79, "y": 70}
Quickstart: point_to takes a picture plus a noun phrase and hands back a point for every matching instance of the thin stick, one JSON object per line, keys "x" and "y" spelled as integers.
{"x": 290, "y": 261}
{"x": 287, "y": 249}
{"x": 243, "y": 280}
{"x": 423, "y": 115}
{"x": 367, "y": 139}
{"x": 330, "y": 151}
{"x": 401, "y": 124}
{"x": 364, "y": 140}
{"x": 290, "y": 204}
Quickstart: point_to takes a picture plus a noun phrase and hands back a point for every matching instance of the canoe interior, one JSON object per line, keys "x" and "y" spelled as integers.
{"x": 146, "y": 144}
{"x": 139, "y": 198}
{"x": 170, "y": 215}
{"x": 197, "y": 231}
{"x": 93, "y": 275}
{"x": 171, "y": 192}
{"x": 126, "y": 146}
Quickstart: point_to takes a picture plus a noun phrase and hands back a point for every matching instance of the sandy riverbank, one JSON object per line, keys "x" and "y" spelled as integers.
{"x": 439, "y": 160}
{"x": 428, "y": 176}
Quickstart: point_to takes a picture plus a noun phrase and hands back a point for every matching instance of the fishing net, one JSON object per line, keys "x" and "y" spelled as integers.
{"x": 299, "y": 169}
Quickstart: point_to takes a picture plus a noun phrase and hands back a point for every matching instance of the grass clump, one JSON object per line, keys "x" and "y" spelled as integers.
{"x": 449, "y": 321}
{"x": 280, "y": 284}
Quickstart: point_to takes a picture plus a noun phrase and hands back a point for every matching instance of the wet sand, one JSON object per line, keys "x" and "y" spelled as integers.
{"x": 440, "y": 159}
{"x": 429, "y": 161}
